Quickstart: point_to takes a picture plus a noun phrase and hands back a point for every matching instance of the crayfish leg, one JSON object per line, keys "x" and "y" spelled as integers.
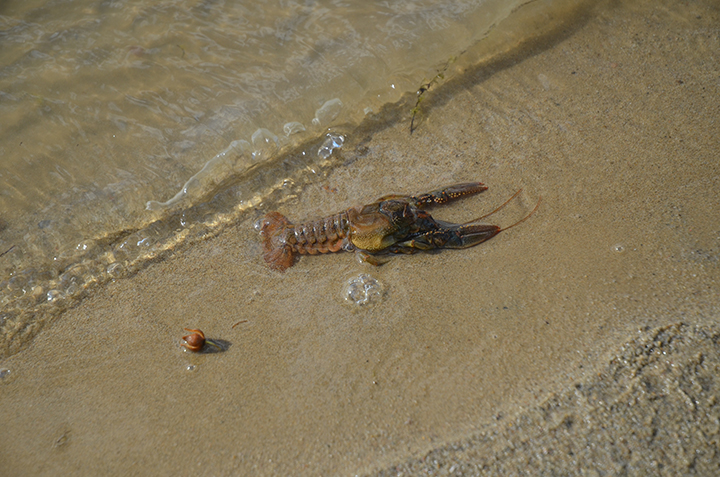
{"x": 364, "y": 257}
{"x": 277, "y": 253}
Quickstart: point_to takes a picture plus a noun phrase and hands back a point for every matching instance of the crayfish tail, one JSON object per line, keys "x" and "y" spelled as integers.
{"x": 278, "y": 254}
{"x": 280, "y": 259}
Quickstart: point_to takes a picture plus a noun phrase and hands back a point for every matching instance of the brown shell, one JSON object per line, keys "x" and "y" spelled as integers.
{"x": 194, "y": 341}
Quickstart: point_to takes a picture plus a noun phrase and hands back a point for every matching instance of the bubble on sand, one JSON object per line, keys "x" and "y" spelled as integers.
{"x": 333, "y": 141}
{"x": 4, "y": 373}
{"x": 363, "y": 290}
{"x": 618, "y": 247}
{"x": 53, "y": 295}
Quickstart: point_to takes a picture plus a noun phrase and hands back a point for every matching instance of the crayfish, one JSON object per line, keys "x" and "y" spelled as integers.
{"x": 390, "y": 225}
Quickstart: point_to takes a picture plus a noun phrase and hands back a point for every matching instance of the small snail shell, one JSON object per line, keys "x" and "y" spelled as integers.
{"x": 194, "y": 341}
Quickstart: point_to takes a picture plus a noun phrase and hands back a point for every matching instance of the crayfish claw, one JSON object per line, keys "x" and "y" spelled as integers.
{"x": 464, "y": 236}
{"x": 448, "y": 194}
{"x": 447, "y": 235}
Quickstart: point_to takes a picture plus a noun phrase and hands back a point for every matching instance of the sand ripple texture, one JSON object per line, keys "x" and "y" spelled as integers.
{"x": 651, "y": 411}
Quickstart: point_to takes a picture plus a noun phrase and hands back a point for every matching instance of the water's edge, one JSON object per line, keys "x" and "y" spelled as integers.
{"x": 35, "y": 298}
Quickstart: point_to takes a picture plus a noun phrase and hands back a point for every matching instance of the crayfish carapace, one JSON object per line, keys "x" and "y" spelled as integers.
{"x": 392, "y": 224}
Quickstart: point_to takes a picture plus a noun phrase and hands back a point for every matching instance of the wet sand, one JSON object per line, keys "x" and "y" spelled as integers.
{"x": 651, "y": 411}
{"x": 514, "y": 350}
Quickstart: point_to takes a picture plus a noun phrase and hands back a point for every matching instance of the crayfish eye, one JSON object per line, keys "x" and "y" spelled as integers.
{"x": 399, "y": 212}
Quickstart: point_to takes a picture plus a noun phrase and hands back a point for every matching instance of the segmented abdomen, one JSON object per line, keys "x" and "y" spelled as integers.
{"x": 319, "y": 236}
{"x": 283, "y": 241}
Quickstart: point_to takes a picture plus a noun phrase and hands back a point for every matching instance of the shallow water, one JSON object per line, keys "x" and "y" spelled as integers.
{"x": 118, "y": 116}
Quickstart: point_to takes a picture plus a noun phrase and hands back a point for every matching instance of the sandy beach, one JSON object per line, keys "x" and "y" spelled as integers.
{"x": 556, "y": 347}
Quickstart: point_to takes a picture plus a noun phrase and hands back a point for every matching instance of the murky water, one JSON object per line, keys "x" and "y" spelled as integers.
{"x": 117, "y": 118}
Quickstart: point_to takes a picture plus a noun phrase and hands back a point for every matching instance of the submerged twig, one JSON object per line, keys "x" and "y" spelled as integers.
{"x": 241, "y": 321}
{"x": 424, "y": 89}
{"x": 7, "y": 251}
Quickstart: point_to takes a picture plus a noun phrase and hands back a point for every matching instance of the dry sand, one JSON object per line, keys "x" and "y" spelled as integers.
{"x": 513, "y": 350}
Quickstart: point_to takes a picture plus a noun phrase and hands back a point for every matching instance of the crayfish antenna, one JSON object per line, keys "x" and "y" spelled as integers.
{"x": 526, "y": 217}
{"x": 496, "y": 210}
{"x": 277, "y": 253}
